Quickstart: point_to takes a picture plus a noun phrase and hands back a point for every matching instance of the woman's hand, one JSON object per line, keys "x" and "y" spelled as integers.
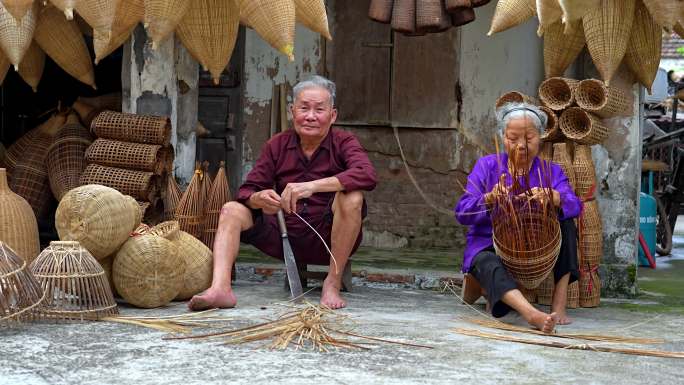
{"x": 500, "y": 189}
{"x": 542, "y": 195}
{"x": 266, "y": 200}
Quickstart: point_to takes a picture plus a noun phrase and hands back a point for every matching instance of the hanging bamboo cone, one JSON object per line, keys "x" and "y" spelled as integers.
{"x": 560, "y": 49}
{"x": 607, "y": 30}
{"x": 16, "y": 36}
{"x": 32, "y": 66}
{"x": 162, "y": 17}
{"x": 666, "y": 13}
{"x": 549, "y": 12}
{"x": 643, "y": 49}
{"x": 66, "y": 6}
{"x": 218, "y": 196}
{"x": 510, "y": 13}
{"x": 381, "y": 11}
{"x": 63, "y": 42}
{"x": 312, "y": 15}
{"x": 18, "y": 226}
{"x": 127, "y": 15}
{"x": 17, "y": 8}
{"x": 574, "y": 10}
{"x": 273, "y": 20}
{"x": 209, "y": 31}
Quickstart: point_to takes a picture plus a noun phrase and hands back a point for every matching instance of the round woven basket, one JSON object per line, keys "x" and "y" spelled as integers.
{"x": 66, "y": 157}
{"x": 273, "y": 20}
{"x": 573, "y": 296}
{"x": 15, "y": 35}
{"x": 148, "y": 271}
{"x": 32, "y": 66}
{"x": 74, "y": 282}
{"x": 552, "y": 132}
{"x": 132, "y": 127}
{"x": 589, "y": 287}
{"x": 381, "y": 11}
{"x": 404, "y": 16}
{"x": 162, "y": 17}
{"x": 18, "y": 226}
{"x": 644, "y": 47}
{"x": 562, "y": 157}
{"x": 561, "y": 49}
{"x": 510, "y": 13}
{"x": 665, "y": 12}
{"x": 530, "y": 265}
{"x": 582, "y": 126}
{"x": 590, "y": 229}
{"x": 63, "y": 41}
{"x": 98, "y": 217}
{"x": 594, "y": 96}
{"x": 545, "y": 291}
{"x": 585, "y": 174}
{"x": 219, "y": 195}
{"x": 141, "y": 185}
{"x": 20, "y": 292}
{"x": 312, "y": 15}
{"x": 106, "y": 264}
{"x": 132, "y": 156}
{"x": 558, "y": 93}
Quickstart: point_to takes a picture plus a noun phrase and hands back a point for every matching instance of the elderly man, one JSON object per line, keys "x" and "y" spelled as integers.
{"x": 313, "y": 170}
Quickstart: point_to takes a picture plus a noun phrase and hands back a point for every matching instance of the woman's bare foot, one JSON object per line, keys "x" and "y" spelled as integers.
{"x": 544, "y": 322}
{"x": 562, "y": 317}
{"x": 213, "y": 298}
{"x": 330, "y": 296}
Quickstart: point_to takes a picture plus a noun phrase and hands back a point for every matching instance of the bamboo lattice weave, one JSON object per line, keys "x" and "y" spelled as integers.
{"x": 131, "y": 156}
{"x": 20, "y": 292}
{"x": 16, "y": 36}
{"x": 162, "y": 17}
{"x": 141, "y": 185}
{"x": 644, "y": 47}
{"x": 127, "y": 15}
{"x": 66, "y": 157}
{"x": 312, "y": 14}
{"x": 582, "y": 126}
{"x": 561, "y": 49}
{"x": 604, "y": 101}
{"x": 18, "y": 226}
{"x": 189, "y": 212}
{"x": 132, "y": 127}
{"x": 218, "y": 196}
{"x": 273, "y": 20}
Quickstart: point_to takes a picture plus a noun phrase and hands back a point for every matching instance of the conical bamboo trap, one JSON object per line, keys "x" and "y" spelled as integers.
{"x": 66, "y": 157}
{"x": 549, "y": 13}
{"x": 98, "y": 217}
{"x": 219, "y": 195}
{"x": 18, "y": 226}
{"x": 404, "y": 16}
{"x": 32, "y": 66}
{"x": 666, "y": 13}
{"x": 573, "y": 296}
{"x": 128, "y": 155}
{"x": 66, "y": 6}
{"x": 209, "y": 31}
{"x": 17, "y": 8}
{"x": 552, "y": 132}
{"x": 594, "y": 96}
{"x": 558, "y": 93}
{"x": 562, "y": 157}
{"x": 312, "y": 15}
{"x": 381, "y": 11}
{"x": 273, "y": 20}
{"x": 589, "y": 286}
{"x": 582, "y": 126}
{"x": 162, "y": 17}
{"x": 585, "y": 174}
{"x": 172, "y": 196}
{"x": 63, "y": 41}
{"x": 20, "y": 292}
{"x": 561, "y": 49}
{"x": 643, "y": 49}
{"x": 510, "y": 13}
{"x": 132, "y": 127}
{"x": 141, "y": 185}
{"x": 574, "y": 10}
{"x": 189, "y": 212}
{"x": 16, "y": 36}
{"x": 148, "y": 271}
{"x": 127, "y": 15}
{"x": 590, "y": 231}
{"x": 607, "y": 30}
{"x": 99, "y": 14}
{"x": 75, "y": 284}
{"x": 205, "y": 186}
{"x": 17, "y": 150}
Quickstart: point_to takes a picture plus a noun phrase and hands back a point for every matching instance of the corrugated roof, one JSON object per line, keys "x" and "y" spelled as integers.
{"x": 670, "y": 46}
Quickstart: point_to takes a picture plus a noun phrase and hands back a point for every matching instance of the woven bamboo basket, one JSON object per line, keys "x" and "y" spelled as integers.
{"x": 585, "y": 174}
{"x": 20, "y": 292}
{"x": 86, "y": 113}
{"x": 189, "y": 212}
{"x": 99, "y": 14}
{"x": 219, "y": 195}
{"x": 127, "y": 15}
{"x": 17, "y": 8}
{"x": 148, "y": 271}
{"x": 172, "y": 195}
{"x": 63, "y": 41}
{"x": 205, "y": 186}
{"x": 18, "y": 226}
{"x": 513, "y": 97}
{"x": 510, "y": 13}
{"x": 32, "y": 66}
{"x": 273, "y": 20}
{"x": 558, "y": 93}
{"x": 66, "y": 6}
{"x": 209, "y": 31}
{"x": 312, "y": 15}
{"x": 607, "y": 30}
{"x": 132, "y": 128}
{"x": 589, "y": 287}
{"x": 590, "y": 231}
{"x": 168, "y": 229}
{"x": 529, "y": 294}
{"x": 75, "y": 284}
{"x": 404, "y": 16}
{"x": 141, "y": 185}
{"x": 562, "y": 157}
{"x": 546, "y": 152}
{"x": 66, "y": 157}
{"x": 131, "y": 156}
{"x": 457, "y": 5}
{"x": 98, "y": 217}
{"x": 16, "y": 36}
{"x": 166, "y": 157}
{"x": 552, "y": 132}
{"x": 594, "y": 96}
{"x": 429, "y": 14}
{"x": 545, "y": 291}
{"x": 17, "y": 150}
{"x": 4, "y": 67}
{"x": 643, "y": 49}
{"x": 462, "y": 17}
{"x": 573, "y": 296}
{"x": 666, "y": 13}
{"x": 531, "y": 264}
{"x": 560, "y": 49}
{"x": 381, "y": 11}
{"x": 162, "y": 17}
{"x": 107, "y": 267}
{"x": 582, "y": 126}
{"x": 549, "y": 13}
{"x": 574, "y": 10}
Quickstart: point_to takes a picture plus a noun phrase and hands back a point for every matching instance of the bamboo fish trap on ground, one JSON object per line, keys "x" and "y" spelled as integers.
{"x": 218, "y": 196}
{"x": 189, "y": 212}
{"x": 20, "y": 292}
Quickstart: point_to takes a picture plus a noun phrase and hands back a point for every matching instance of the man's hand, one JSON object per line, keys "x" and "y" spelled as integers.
{"x": 294, "y": 192}
{"x": 266, "y": 200}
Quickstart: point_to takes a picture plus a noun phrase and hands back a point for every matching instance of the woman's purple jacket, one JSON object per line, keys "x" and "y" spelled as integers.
{"x": 472, "y": 211}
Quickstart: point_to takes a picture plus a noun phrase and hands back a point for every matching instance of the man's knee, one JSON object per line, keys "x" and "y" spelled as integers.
{"x": 350, "y": 203}
{"x": 235, "y": 212}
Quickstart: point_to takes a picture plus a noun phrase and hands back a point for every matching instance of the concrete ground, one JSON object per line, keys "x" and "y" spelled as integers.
{"x": 107, "y": 353}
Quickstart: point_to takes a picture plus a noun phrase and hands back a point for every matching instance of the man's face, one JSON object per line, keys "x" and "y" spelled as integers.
{"x": 313, "y": 113}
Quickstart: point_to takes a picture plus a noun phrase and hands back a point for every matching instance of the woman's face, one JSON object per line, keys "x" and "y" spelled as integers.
{"x": 521, "y": 141}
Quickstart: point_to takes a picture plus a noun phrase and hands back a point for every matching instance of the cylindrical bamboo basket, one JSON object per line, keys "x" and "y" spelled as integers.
{"x": 17, "y": 8}
{"x": 552, "y": 132}
{"x": 141, "y": 185}
{"x": 66, "y": 157}
{"x": 66, "y": 6}
{"x": 666, "y": 13}
{"x": 132, "y": 128}
{"x": 15, "y": 35}
{"x": 148, "y": 271}
{"x": 74, "y": 282}
{"x": 32, "y": 66}
{"x": 562, "y": 157}
{"x": 545, "y": 291}
{"x": 573, "y": 296}
{"x": 20, "y": 292}
{"x": 558, "y": 93}
{"x": 589, "y": 287}
{"x": 381, "y": 11}
{"x": 585, "y": 174}
{"x": 594, "y": 96}
{"x": 510, "y": 13}
{"x": 590, "y": 230}
{"x": 162, "y": 17}
{"x": 312, "y": 15}
{"x": 607, "y": 29}
{"x": 273, "y": 20}
{"x": 209, "y": 31}
{"x": 63, "y": 41}
{"x": 404, "y": 16}
{"x": 643, "y": 49}
{"x": 172, "y": 195}
{"x": 98, "y": 217}
{"x": 190, "y": 210}
{"x": 128, "y": 155}
{"x": 561, "y": 49}
{"x": 219, "y": 195}
{"x": 582, "y": 126}
{"x": 18, "y": 226}
{"x": 513, "y": 97}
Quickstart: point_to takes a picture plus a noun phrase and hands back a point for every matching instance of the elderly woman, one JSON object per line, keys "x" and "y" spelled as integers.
{"x": 520, "y": 125}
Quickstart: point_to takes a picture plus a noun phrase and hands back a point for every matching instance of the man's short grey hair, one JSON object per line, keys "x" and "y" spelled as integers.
{"x": 512, "y": 111}
{"x": 316, "y": 81}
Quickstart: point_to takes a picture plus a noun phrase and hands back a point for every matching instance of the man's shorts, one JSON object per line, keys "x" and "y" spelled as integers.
{"x": 307, "y": 247}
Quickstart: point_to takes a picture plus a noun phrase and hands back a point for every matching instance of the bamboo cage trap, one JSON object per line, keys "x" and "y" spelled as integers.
{"x": 20, "y": 293}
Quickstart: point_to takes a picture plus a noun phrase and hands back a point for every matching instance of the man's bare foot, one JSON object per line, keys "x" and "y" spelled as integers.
{"x": 562, "y": 317}
{"x": 544, "y": 322}
{"x": 213, "y": 298}
{"x": 330, "y": 296}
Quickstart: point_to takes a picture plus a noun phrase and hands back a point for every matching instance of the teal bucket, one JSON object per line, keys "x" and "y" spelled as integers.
{"x": 647, "y": 225}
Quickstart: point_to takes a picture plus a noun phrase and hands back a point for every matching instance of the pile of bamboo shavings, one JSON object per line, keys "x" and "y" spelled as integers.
{"x": 182, "y": 323}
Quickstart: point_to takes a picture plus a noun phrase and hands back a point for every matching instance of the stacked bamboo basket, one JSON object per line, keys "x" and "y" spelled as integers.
{"x": 420, "y": 17}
